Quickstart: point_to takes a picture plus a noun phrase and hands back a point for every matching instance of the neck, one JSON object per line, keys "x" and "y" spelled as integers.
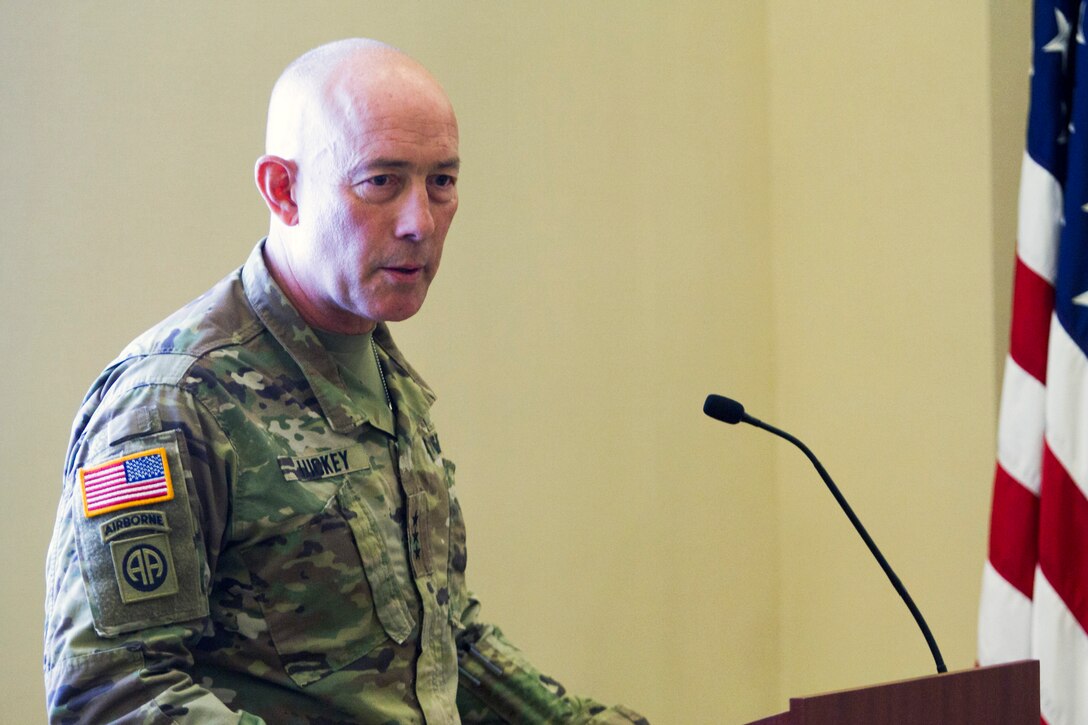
{"x": 338, "y": 321}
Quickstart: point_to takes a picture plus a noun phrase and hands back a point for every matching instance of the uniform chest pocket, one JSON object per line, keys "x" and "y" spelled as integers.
{"x": 327, "y": 593}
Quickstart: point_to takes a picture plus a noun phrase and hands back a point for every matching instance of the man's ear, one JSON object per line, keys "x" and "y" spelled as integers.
{"x": 275, "y": 179}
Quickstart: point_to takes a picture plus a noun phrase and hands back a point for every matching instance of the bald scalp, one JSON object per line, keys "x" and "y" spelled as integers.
{"x": 328, "y": 84}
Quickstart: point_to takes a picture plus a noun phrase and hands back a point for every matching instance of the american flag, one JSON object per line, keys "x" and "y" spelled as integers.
{"x": 1035, "y": 584}
{"x": 134, "y": 480}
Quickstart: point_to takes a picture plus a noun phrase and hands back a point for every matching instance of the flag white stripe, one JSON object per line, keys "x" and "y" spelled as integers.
{"x": 1004, "y": 620}
{"x": 137, "y": 486}
{"x": 105, "y": 483}
{"x": 1062, "y": 650}
{"x": 107, "y": 474}
{"x": 127, "y": 492}
{"x": 1039, "y": 219}
{"x": 1067, "y": 405}
{"x": 1020, "y": 426}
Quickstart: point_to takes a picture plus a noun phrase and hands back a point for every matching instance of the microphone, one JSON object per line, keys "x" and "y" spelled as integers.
{"x": 730, "y": 411}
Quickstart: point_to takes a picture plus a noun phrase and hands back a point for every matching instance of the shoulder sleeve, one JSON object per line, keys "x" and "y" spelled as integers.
{"x": 142, "y": 516}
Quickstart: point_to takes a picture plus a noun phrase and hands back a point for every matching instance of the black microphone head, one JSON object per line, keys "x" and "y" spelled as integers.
{"x": 724, "y": 409}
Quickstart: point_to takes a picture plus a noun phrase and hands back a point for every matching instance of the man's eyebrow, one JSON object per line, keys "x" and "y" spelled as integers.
{"x": 451, "y": 164}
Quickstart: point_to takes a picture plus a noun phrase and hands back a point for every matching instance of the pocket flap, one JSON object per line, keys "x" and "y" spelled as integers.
{"x": 389, "y": 599}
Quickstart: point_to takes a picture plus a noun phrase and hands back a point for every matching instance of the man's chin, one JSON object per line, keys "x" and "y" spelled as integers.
{"x": 395, "y": 313}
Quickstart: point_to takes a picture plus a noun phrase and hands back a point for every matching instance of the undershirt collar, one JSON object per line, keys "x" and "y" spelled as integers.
{"x": 354, "y": 356}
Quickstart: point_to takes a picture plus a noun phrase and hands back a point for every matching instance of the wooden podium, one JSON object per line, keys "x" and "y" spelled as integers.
{"x": 997, "y": 695}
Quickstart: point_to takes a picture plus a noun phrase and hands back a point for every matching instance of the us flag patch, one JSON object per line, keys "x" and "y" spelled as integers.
{"x": 133, "y": 480}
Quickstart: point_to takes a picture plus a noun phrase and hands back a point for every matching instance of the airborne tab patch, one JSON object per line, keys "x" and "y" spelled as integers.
{"x": 132, "y": 523}
{"x": 137, "y": 479}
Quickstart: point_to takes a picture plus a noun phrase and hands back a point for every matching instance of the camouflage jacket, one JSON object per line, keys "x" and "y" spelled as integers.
{"x": 232, "y": 544}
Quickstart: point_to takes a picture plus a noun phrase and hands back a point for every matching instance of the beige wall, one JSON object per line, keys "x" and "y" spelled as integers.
{"x": 797, "y": 207}
{"x": 890, "y": 294}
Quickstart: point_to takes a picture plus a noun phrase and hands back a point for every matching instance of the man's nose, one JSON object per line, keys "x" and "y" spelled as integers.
{"x": 415, "y": 221}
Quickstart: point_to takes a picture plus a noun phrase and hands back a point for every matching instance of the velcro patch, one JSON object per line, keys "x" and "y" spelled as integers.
{"x": 144, "y": 568}
{"x": 137, "y": 479}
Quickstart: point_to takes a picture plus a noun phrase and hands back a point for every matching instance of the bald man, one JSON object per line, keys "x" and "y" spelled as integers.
{"x": 257, "y": 521}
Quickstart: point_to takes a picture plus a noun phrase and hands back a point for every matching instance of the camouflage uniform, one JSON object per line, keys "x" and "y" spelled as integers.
{"x": 233, "y": 545}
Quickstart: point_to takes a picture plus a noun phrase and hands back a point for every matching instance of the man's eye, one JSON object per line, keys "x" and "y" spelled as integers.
{"x": 444, "y": 180}
{"x": 377, "y": 188}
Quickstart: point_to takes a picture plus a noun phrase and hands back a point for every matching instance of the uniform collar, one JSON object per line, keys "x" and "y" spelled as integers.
{"x": 285, "y": 324}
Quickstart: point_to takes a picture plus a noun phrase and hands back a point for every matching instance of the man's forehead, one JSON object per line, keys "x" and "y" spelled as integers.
{"x": 385, "y": 97}
{"x": 367, "y": 126}
{"x": 430, "y": 155}
{"x": 452, "y": 163}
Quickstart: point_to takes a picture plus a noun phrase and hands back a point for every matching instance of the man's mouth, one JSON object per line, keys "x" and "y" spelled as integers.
{"x": 407, "y": 273}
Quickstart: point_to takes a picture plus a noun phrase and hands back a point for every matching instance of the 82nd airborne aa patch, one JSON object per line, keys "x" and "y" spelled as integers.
{"x": 144, "y": 568}
{"x": 137, "y": 479}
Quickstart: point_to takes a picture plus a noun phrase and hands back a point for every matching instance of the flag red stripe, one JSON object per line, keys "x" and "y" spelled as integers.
{"x": 1033, "y": 303}
{"x": 1063, "y": 544}
{"x": 105, "y": 473}
{"x": 122, "y": 490}
{"x": 129, "y": 496}
{"x": 142, "y": 489}
{"x": 104, "y": 483}
{"x": 140, "y": 496}
{"x": 1014, "y": 531}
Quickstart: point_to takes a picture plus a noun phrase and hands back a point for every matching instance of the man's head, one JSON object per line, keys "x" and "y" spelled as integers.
{"x": 359, "y": 172}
